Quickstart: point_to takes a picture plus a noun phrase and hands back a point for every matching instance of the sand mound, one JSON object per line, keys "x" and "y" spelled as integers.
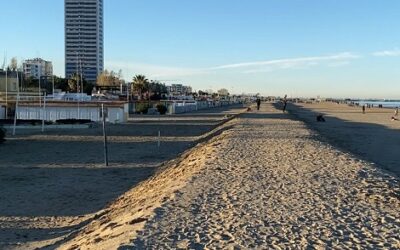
{"x": 117, "y": 224}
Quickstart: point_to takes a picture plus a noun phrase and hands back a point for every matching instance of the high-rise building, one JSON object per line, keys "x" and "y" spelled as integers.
{"x": 37, "y": 68}
{"x": 84, "y": 38}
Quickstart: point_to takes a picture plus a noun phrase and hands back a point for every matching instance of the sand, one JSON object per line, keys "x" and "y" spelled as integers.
{"x": 54, "y": 183}
{"x": 267, "y": 182}
{"x": 372, "y": 136}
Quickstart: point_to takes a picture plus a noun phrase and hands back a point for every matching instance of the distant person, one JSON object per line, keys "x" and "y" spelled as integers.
{"x": 396, "y": 111}
{"x": 320, "y": 118}
{"x": 363, "y": 109}
{"x": 284, "y": 104}
{"x": 258, "y": 103}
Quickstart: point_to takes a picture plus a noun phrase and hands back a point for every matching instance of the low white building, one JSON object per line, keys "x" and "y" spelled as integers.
{"x": 116, "y": 112}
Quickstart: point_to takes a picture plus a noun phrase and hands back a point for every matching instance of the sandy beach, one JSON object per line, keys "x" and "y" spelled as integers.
{"x": 267, "y": 182}
{"x": 200, "y": 125}
{"x": 55, "y": 182}
{"x": 372, "y": 136}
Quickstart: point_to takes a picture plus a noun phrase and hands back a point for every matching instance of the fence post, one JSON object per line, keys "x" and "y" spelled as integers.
{"x": 158, "y": 142}
{"x": 104, "y": 135}
{"x": 16, "y": 113}
{"x": 44, "y": 113}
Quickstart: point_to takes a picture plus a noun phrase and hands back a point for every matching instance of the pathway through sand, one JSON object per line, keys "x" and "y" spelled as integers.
{"x": 273, "y": 184}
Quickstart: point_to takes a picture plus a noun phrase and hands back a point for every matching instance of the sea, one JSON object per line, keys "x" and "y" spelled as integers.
{"x": 385, "y": 104}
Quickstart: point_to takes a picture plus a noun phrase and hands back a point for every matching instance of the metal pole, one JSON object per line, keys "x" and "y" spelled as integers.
{"x": 159, "y": 135}
{"x": 16, "y": 106}
{"x": 77, "y": 83}
{"x": 6, "y": 93}
{"x": 53, "y": 85}
{"x": 40, "y": 93}
{"x": 80, "y": 71}
{"x": 22, "y": 80}
{"x": 79, "y": 111}
{"x": 44, "y": 112}
{"x": 127, "y": 93}
{"x": 105, "y": 135}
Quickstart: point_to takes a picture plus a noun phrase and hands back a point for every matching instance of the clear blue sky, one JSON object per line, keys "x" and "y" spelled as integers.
{"x": 342, "y": 48}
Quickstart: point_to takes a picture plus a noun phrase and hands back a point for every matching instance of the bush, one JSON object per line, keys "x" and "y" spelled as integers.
{"x": 162, "y": 109}
{"x": 2, "y": 134}
{"x": 142, "y": 108}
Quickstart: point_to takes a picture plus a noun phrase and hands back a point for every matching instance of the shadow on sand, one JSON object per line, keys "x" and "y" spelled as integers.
{"x": 371, "y": 142}
{"x": 44, "y": 179}
{"x": 256, "y": 115}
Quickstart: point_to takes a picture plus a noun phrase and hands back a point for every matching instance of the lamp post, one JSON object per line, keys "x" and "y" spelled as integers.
{"x": 40, "y": 87}
{"x": 16, "y": 106}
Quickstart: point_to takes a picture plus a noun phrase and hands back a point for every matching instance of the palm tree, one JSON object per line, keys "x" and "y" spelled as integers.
{"x": 140, "y": 84}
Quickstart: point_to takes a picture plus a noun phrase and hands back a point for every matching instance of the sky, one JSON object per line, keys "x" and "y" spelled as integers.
{"x": 302, "y": 48}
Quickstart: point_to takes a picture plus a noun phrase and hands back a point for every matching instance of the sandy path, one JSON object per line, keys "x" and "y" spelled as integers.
{"x": 272, "y": 184}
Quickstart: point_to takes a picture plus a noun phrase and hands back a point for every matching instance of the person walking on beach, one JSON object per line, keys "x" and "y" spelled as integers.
{"x": 258, "y": 103}
{"x": 396, "y": 111}
{"x": 363, "y": 109}
{"x": 284, "y": 104}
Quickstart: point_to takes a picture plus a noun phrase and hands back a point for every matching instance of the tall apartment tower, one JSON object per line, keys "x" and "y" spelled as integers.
{"x": 84, "y": 38}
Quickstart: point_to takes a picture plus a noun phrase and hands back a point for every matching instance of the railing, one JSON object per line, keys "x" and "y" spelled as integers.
{"x": 178, "y": 106}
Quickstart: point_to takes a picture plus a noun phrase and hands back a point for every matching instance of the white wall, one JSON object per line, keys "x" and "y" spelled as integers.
{"x": 114, "y": 114}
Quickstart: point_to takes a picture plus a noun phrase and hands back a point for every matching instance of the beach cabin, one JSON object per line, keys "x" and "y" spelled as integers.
{"x": 116, "y": 112}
